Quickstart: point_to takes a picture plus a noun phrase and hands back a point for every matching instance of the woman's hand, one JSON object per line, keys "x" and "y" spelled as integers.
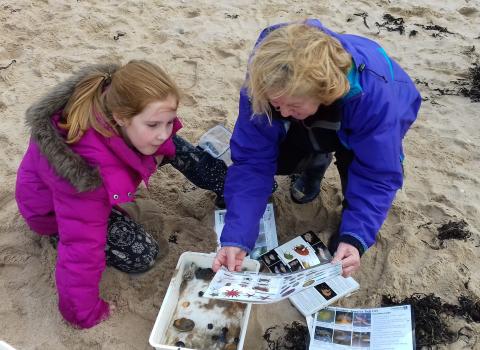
{"x": 231, "y": 257}
{"x": 349, "y": 256}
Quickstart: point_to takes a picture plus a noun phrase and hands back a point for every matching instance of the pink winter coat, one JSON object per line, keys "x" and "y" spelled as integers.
{"x": 70, "y": 190}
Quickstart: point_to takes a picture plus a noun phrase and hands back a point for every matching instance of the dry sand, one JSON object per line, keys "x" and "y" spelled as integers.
{"x": 205, "y": 45}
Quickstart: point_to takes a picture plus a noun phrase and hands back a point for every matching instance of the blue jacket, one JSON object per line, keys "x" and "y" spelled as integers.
{"x": 376, "y": 113}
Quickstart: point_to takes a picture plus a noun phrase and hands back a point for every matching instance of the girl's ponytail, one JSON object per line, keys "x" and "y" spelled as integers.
{"x": 124, "y": 93}
{"x": 86, "y": 108}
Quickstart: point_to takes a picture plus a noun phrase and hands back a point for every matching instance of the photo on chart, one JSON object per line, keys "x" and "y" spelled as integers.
{"x": 325, "y": 290}
{"x": 361, "y": 339}
{"x": 362, "y": 319}
{"x": 323, "y": 334}
{"x": 342, "y": 337}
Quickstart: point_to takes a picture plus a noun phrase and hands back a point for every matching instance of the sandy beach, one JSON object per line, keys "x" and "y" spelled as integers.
{"x": 205, "y": 45}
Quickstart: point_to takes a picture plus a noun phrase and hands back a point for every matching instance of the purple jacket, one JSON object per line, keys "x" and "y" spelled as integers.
{"x": 376, "y": 113}
{"x": 70, "y": 190}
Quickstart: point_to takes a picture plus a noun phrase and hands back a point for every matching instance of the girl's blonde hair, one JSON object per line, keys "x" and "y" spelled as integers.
{"x": 125, "y": 93}
{"x": 297, "y": 60}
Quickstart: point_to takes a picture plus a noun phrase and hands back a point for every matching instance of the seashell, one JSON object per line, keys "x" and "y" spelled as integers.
{"x": 230, "y": 346}
{"x": 184, "y": 324}
{"x": 189, "y": 272}
{"x": 186, "y": 304}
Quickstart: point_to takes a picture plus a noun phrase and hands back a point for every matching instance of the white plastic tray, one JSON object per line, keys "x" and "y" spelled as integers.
{"x": 5, "y": 346}
{"x": 165, "y": 316}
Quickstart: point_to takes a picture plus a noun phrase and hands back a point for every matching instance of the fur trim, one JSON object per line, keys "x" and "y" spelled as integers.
{"x": 67, "y": 164}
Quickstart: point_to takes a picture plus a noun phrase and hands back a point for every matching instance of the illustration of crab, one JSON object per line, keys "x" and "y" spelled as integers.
{"x": 232, "y": 293}
{"x": 301, "y": 250}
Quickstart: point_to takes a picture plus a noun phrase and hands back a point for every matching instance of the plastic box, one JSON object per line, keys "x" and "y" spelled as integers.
{"x": 5, "y": 346}
{"x": 216, "y": 141}
{"x": 158, "y": 336}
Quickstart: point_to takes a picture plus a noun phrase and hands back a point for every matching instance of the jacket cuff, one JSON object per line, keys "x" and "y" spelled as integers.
{"x": 234, "y": 244}
{"x": 357, "y": 243}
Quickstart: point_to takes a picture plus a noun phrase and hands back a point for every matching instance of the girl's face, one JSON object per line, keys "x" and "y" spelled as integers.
{"x": 150, "y": 128}
{"x": 298, "y": 108}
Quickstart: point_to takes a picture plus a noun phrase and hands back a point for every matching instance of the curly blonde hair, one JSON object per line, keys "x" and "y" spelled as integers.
{"x": 297, "y": 60}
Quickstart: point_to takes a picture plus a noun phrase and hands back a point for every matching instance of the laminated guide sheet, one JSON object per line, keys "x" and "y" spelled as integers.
{"x": 263, "y": 288}
{"x": 385, "y": 328}
{"x": 303, "y": 252}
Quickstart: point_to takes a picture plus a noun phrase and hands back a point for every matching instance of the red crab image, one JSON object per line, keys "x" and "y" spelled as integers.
{"x": 301, "y": 250}
{"x": 232, "y": 293}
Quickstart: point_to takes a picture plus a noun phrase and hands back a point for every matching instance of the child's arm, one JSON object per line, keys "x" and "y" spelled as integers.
{"x": 82, "y": 221}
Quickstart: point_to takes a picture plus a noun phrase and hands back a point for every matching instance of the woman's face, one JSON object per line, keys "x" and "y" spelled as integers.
{"x": 298, "y": 108}
{"x": 150, "y": 128}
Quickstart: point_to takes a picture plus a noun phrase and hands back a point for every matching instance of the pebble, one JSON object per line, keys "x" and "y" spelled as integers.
{"x": 184, "y": 324}
{"x": 180, "y": 344}
{"x": 209, "y": 326}
{"x": 204, "y": 274}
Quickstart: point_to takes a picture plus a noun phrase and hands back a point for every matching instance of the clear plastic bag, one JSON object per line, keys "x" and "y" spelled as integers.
{"x": 216, "y": 142}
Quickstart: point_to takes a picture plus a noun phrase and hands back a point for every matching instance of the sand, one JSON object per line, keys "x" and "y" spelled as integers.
{"x": 205, "y": 46}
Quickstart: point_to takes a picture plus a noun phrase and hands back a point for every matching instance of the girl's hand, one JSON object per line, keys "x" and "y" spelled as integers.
{"x": 231, "y": 257}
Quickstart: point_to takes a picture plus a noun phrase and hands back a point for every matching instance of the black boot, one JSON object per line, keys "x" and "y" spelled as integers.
{"x": 306, "y": 187}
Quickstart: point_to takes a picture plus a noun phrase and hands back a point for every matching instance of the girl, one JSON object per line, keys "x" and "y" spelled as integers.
{"x": 94, "y": 138}
{"x": 313, "y": 93}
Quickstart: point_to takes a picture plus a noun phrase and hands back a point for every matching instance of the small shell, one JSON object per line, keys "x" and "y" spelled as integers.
{"x": 230, "y": 346}
{"x": 186, "y": 304}
{"x": 184, "y": 324}
{"x": 189, "y": 272}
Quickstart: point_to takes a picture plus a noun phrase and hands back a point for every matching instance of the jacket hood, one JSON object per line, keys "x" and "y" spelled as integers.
{"x": 66, "y": 163}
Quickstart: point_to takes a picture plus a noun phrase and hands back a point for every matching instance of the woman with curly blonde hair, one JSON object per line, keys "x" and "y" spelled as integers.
{"x": 311, "y": 93}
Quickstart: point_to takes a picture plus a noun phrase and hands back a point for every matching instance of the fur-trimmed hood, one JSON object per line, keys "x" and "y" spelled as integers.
{"x": 62, "y": 158}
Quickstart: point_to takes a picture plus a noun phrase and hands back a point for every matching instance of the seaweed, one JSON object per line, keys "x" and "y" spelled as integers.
{"x": 364, "y": 15}
{"x": 473, "y": 84}
{"x": 468, "y": 87}
{"x": 436, "y": 28}
{"x": 118, "y": 35}
{"x": 173, "y": 238}
{"x": 469, "y": 308}
{"x": 431, "y": 315}
{"x": 430, "y": 319}
{"x": 8, "y": 65}
{"x": 392, "y": 24}
{"x": 454, "y": 230}
{"x": 293, "y": 337}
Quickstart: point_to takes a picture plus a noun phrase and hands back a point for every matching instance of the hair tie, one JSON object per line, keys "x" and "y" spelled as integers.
{"x": 107, "y": 78}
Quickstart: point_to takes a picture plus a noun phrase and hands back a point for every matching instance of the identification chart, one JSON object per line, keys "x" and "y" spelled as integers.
{"x": 263, "y": 288}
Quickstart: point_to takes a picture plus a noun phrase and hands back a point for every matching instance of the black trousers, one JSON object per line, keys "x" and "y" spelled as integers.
{"x": 129, "y": 247}
{"x": 209, "y": 173}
